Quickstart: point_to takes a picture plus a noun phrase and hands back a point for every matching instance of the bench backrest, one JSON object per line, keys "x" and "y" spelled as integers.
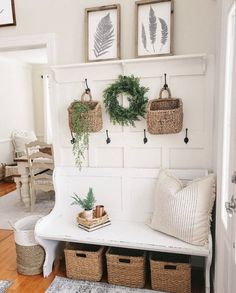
{"x": 127, "y": 194}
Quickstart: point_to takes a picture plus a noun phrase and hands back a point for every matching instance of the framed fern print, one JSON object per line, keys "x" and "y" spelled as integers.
{"x": 102, "y": 33}
{"x": 153, "y": 22}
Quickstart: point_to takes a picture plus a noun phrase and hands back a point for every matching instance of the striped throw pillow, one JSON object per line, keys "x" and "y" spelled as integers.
{"x": 184, "y": 211}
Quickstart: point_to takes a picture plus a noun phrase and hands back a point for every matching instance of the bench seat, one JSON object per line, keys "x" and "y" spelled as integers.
{"x": 126, "y": 234}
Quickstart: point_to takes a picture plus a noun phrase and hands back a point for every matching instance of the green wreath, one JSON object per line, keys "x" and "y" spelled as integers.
{"x": 136, "y": 97}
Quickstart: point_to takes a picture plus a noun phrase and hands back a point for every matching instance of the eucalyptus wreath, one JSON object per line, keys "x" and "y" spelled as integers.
{"x": 129, "y": 85}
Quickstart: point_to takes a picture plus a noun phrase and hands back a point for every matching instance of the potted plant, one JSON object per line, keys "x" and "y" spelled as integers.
{"x": 87, "y": 203}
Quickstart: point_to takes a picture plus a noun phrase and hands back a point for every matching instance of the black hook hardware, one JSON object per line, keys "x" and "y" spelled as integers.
{"x": 87, "y": 90}
{"x": 145, "y": 140}
{"x": 108, "y": 140}
{"x": 186, "y": 139}
{"x": 72, "y": 141}
{"x": 165, "y": 85}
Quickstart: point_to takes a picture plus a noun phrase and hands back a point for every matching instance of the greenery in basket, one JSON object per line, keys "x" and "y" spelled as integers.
{"x": 87, "y": 203}
{"x": 81, "y": 131}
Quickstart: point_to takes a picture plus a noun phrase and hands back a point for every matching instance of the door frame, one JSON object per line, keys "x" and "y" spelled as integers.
{"x": 224, "y": 8}
{"x": 16, "y": 43}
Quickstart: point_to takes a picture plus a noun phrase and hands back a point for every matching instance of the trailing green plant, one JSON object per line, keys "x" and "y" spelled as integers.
{"x": 129, "y": 85}
{"x": 87, "y": 203}
{"x": 81, "y": 131}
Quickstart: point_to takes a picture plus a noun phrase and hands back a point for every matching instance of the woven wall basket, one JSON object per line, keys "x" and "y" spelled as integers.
{"x": 165, "y": 116}
{"x": 94, "y": 114}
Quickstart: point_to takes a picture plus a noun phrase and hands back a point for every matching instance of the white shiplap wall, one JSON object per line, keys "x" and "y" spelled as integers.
{"x": 189, "y": 77}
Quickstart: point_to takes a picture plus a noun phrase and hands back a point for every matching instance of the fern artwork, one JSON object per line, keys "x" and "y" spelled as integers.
{"x": 153, "y": 32}
{"x": 103, "y": 33}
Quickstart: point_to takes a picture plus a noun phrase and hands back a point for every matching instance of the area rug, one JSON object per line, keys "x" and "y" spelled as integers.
{"x": 64, "y": 285}
{"x": 4, "y": 285}
{"x": 13, "y": 209}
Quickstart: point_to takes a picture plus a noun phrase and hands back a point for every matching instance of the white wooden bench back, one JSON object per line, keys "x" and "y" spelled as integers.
{"x": 127, "y": 194}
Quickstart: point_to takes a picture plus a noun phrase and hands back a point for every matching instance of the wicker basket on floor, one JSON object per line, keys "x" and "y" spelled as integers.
{"x": 84, "y": 262}
{"x": 165, "y": 116}
{"x": 126, "y": 267}
{"x": 29, "y": 259}
{"x": 170, "y": 273}
{"x": 94, "y": 114}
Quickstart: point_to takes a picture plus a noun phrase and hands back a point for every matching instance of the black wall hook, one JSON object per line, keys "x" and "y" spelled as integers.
{"x": 108, "y": 140}
{"x": 165, "y": 85}
{"x": 87, "y": 90}
{"x": 186, "y": 139}
{"x": 145, "y": 140}
{"x": 72, "y": 141}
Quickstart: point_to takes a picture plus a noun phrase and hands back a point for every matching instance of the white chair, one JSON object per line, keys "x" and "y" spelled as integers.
{"x": 41, "y": 165}
{"x": 19, "y": 139}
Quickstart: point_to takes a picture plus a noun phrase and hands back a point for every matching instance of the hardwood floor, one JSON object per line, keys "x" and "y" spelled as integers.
{"x": 5, "y": 188}
{"x": 38, "y": 284}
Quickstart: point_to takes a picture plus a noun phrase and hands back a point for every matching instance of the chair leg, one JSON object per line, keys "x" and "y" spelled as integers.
{"x": 32, "y": 198}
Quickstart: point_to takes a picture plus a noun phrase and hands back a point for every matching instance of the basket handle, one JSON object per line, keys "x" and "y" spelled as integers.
{"x": 81, "y": 254}
{"x": 124, "y": 260}
{"x": 88, "y": 93}
{"x": 165, "y": 89}
{"x": 170, "y": 267}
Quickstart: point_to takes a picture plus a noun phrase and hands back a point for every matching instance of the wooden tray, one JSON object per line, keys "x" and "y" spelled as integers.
{"x": 94, "y": 222}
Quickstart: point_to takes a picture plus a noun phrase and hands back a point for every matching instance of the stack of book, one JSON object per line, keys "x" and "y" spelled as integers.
{"x": 94, "y": 224}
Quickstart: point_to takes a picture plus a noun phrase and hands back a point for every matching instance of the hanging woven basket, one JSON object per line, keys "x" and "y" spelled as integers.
{"x": 165, "y": 116}
{"x": 94, "y": 114}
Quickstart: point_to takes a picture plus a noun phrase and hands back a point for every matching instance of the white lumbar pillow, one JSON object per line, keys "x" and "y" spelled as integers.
{"x": 184, "y": 211}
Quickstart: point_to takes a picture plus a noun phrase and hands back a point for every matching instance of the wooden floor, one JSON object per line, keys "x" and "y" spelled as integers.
{"x": 5, "y": 188}
{"x": 37, "y": 284}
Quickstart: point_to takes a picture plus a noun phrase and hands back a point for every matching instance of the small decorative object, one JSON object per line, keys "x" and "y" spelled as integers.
{"x": 103, "y": 33}
{"x": 108, "y": 140}
{"x": 165, "y": 116}
{"x": 84, "y": 117}
{"x": 186, "y": 139}
{"x": 128, "y": 85}
{"x": 99, "y": 211}
{"x": 95, "y": 223}
{"x": 153, "y": 32}
{"x": 145, "y": 140}
{"x": 87, "y": 203}
{"x": 7, "y": 13}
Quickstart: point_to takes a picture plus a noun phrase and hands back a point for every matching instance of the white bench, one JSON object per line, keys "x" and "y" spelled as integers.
{"x": 128, "y": 197}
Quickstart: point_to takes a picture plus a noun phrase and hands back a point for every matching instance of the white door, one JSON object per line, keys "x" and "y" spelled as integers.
{"x": 225, "y": 245}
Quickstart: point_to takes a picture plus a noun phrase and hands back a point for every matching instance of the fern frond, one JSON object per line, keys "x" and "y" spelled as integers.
{"x": 104, "y": 36}
{"x": 152, "y": 26}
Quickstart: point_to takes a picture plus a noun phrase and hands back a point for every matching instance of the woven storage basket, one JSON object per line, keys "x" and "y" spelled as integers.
{"x": 94, "y": 115}
{"x": 84, "y": 262}
{"x": 29, "y": 255}
{"x": 170, "y": 273}
{"x": 126, "y": 267}
{"x": 165, "y": 116}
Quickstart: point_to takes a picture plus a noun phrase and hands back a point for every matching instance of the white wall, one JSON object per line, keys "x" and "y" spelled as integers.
{"x": 16, "y": 111}
{"x": 190, "y": 78}
{"x": 194, "y": 25}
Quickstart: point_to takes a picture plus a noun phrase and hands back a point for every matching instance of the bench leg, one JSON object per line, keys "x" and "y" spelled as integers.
{"x": 50, "y": 247}
{"x": 208, "y": 261}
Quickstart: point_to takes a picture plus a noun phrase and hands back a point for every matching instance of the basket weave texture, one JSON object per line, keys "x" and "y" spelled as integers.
{"x": 126, "y": 267}
{"x": 84, "y": 262}
{"x": 165, "y": 116}
{"x": 170, "y": 276}
{"x": 94, "y": 115}
{"x": 30, "y": 259}
{"x": 93, "y": 222}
